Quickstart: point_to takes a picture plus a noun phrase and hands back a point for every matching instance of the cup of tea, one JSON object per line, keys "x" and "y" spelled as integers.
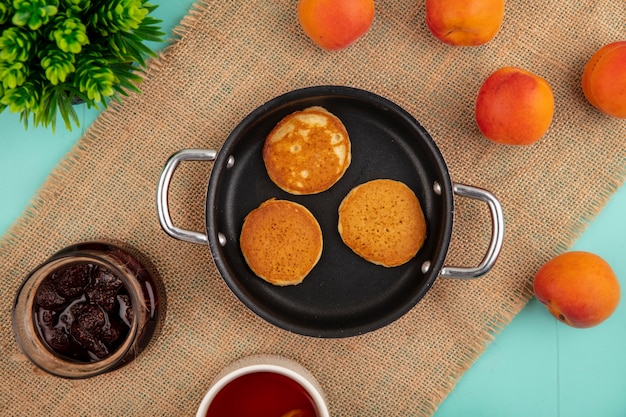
{"x": 264, "y": 386}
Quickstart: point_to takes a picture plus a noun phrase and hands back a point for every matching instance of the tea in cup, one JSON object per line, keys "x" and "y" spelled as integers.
{"x": 264, "y": 386}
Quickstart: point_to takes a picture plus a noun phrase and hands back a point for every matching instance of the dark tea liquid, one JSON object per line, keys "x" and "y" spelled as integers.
{"x": 261, "y": 394}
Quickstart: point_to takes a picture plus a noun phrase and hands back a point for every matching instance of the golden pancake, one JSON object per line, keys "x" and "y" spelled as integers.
{"x": 382, "y": 221}
{"x": 307, "y": 152}
{"x": 281, "y": 241}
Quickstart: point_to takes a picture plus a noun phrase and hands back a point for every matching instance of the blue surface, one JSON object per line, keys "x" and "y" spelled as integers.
{"x": 535, "y": 367}
{"x": 540, "y": 367}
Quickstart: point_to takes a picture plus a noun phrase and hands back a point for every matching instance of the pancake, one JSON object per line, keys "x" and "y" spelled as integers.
{"x": 307, "y": 152}
{"x": 382, "y": 221}
{"x": 281, "y": 241}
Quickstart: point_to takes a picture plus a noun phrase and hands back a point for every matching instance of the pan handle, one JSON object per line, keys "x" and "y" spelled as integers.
{"x": 163, "y": 189}
{"x": 497, "y": 234}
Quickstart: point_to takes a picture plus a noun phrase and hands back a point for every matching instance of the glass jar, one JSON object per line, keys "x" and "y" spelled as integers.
{"x": 69, "y": 310}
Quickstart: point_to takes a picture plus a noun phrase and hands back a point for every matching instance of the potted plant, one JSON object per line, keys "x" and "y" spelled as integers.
{"x": 54, "y": 53}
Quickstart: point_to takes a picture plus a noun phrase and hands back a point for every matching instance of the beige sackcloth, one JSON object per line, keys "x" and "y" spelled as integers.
{"x": 228, "y": 58}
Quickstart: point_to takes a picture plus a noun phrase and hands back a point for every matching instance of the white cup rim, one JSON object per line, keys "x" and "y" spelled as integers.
{"x": 308, "y": 382}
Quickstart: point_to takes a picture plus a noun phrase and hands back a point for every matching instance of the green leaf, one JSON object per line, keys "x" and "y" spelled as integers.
{"x": 126, "y": 78}
{"x": 13, "y": 75}
{"x": 93, "y": 77}
{"x": 58, "y": 65}
{"x": 57, "y": 100}
{"x": 24, "y": 98}
{"x": 6, "y": 11}
{"x": 70, "y": 35}
{"x": 76, "y": 6}
{"x": 119, "y": 15}
{"x": 33, "y": 13}
{"x": 16, "y": 44}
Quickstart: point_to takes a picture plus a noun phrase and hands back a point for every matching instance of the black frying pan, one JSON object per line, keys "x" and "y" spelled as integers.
{"x": 344, "y": 295}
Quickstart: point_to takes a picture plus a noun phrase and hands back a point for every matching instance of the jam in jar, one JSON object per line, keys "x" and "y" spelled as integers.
{"x": 88, "y": 309}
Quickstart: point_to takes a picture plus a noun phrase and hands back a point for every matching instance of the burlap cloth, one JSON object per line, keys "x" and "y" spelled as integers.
{"x": 230, "y": 57}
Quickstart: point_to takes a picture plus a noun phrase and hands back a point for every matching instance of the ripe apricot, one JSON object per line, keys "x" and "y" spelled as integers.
{"x": 464, "y": 22}
{"x": 604, "y": 79}
{"x": 578, "y": 288}
{"x": 514, "y": 107}
{"x": 335, "y": 24}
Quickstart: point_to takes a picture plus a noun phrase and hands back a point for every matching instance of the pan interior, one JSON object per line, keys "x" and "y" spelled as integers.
{"x": 344, "y": 295}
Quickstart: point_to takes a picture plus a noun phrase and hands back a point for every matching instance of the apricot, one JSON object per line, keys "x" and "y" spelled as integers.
{"x": 464, "y": 22}
{"x": 604, "y": 79}
{"x": 578, "y": 288}
{"x": 335, "y": 24}
{"x": 514, "y": 107}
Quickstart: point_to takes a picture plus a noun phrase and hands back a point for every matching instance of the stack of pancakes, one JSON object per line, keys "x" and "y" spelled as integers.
{"x": 307, "y": 153}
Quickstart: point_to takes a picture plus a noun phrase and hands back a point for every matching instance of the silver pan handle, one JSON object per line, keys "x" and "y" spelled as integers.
{"x": 497, "y": 234}
{"x": 163, "y": 191}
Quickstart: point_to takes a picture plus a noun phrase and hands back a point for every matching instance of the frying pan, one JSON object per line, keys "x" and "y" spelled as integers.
{"x": 344, "y": 295}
